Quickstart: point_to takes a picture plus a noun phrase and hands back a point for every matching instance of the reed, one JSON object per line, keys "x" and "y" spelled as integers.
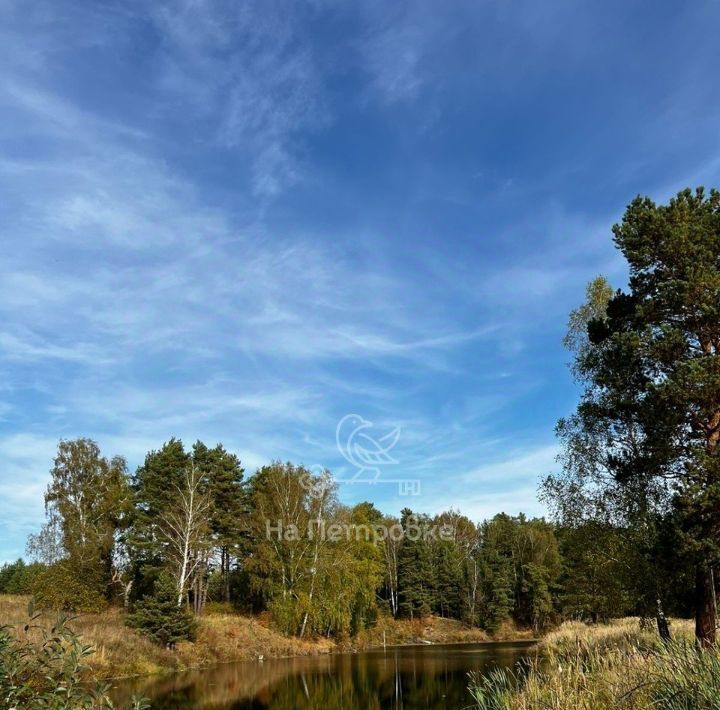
{"x": 618, "y": 665}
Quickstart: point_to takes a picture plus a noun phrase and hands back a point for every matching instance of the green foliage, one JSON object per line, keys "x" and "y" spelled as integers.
{"x": 223, "y": 475}
{"x": 158, "y": 487}
{"x": 644, "y": 440}
{"x": 416, "y": 573}
{"x": 315, "y": 565}
{"x": 159, "y": 617}
{"x": 449, "y": 580}
{"x": 507, "y": 568}
{"x": 494, "y": 690}
{"x": 155, "y": 486}
{"x": 66, "y": 587}
{"x": 51, "y": 673}
{"x": 18, "y": 577}
{"x": 521, "y": 566}
{"x": 327, "y": 583}
{"x": 287, "y": 612}
{"x": 91, "y": 498}
{"x": 594, "y": 581}
{"x": 499, "y": 598}
{"x": 88, "y": 502}
{"x": 597, "y": 296}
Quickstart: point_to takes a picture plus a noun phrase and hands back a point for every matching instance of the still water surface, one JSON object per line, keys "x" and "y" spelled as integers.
{"x": 402, "y": 678}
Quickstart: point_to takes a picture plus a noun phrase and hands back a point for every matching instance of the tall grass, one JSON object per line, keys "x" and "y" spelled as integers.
{"x": 45, "y": 666}
{"x": 619, "y": 665}
{"x": 687, "y": 677}
{"x": 120, "y": 651}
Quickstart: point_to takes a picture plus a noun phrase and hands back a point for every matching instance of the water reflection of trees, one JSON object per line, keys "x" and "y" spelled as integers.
{"x": 398, "y": 678}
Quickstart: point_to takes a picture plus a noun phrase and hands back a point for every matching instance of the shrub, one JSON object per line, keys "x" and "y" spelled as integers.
{"x": 62, "y": 587}
{"x": 50, "y": 673}
{"x": 159, "y": 617}
{"x": 8, "y": 572}
{"x": 287, "y": 614}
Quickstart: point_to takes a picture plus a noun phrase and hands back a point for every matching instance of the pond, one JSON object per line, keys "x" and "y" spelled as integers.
{"x": 401, "y": 677}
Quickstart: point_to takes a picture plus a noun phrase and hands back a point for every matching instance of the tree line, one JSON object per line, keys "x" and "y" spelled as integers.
{"x": 189, "y": 521}
{"x": 188, "y": 528}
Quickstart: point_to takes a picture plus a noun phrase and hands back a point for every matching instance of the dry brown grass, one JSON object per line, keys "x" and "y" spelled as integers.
{"x": 433, "y": 629}
{"x": 618, "y": 665}
{"x": 226, "y": 636}
{"x": 121, "y": 651}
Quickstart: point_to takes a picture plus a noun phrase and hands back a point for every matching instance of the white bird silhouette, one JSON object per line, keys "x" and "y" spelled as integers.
{"x": 363, "y": 451}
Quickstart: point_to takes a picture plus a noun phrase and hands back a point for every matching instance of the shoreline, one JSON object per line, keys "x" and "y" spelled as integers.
{"x": 530, "y": 642}
{"x": 122, "y": 653}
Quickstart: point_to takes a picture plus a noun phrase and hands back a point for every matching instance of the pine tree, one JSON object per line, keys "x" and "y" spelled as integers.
{"x": 449, "y": 578}
{"x": 646, "y": 433}
{"x": 223, "y": 475}
{"x": 416, "y": 576}
{"x": 500, "y": 593}
{"x": 499, "y": 570}
{"x": 159, "y": 617}
{"x": 157, "y": 481}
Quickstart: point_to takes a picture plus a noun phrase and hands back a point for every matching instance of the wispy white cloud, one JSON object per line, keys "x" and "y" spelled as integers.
{"x": 243, "y": 70}
{"x": 508, "y": 483}
{"x": 25, "y": 460}
{"x": 31, "y": 347}
{"x": 241, "y": 221}
{"x": 135, "y": 312}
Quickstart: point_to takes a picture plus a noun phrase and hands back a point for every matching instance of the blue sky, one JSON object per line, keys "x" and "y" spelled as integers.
{"x": 241, "y": 221}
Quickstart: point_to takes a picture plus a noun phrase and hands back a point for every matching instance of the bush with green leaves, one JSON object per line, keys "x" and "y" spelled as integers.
{"x": 61, "y": 586}
{"x": 159, "y": 617}
{"x": 47, "y": 673}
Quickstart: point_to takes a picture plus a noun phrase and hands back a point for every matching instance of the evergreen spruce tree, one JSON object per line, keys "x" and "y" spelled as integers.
{"x": 500, "y": 593}
{"x": 416, "y": 576}
{"x": 450, "y": 580}
{"x": 159, "y": 617}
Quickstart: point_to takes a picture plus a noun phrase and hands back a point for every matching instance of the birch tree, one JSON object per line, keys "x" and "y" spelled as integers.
{"x": 391, "y": 545}
{"x": 88, "y": 500}
{"x": 185, "y": 530}
{"x": 289, "y": 508}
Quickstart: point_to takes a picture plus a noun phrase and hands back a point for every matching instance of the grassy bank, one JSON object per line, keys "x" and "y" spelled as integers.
{"x": 619, "y": 665}
{"x": 224, "y": 636}
{"x": 432, "y": 629}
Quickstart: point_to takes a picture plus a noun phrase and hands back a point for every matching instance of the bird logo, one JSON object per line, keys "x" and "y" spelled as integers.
{"x": 317, "y": 481}
{"x": 361, "y": 449}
